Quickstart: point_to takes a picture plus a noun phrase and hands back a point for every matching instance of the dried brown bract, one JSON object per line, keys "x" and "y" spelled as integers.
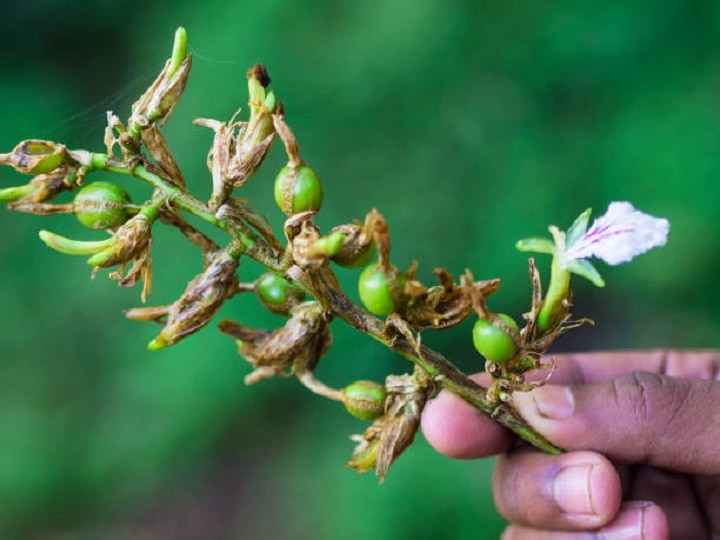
{"x": 445, "y": 305}
{"x": 157, "y": 103}
{"x": 295, "y": 347}
{"x": 35, "y": 156}
{"x": 390, "y": 435}
{"x": 239, "y": 148}
{"x": 202, "y": 299}
{"x": 358, "y": 246}
{"x": 131, "y": 245}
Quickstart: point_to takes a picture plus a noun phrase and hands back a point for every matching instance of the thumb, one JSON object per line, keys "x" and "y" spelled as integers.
{"x": 638, "y": 417}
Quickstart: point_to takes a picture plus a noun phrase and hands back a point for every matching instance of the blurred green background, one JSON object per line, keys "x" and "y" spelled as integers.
{"x": 468, "y": 124}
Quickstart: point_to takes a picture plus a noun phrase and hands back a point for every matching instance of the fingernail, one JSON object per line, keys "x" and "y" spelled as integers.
{"x": 571, "y": 490}
{"x": 551, "y": 402}
{"x": 629, "y": 523}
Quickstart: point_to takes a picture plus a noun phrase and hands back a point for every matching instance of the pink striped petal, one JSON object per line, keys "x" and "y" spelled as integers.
{"x": 619, "y": 235}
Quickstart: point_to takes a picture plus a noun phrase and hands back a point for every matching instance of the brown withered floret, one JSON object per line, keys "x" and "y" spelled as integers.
{"x": 444, "y": 305}
{"x": 202, "y": 299}
{"x": 296, "y": 346}
{"x": 239, "y": 148}
{"x": 131, "y": 245}
{"x": 157, "y": 103}
{"x": 390, "y": 435}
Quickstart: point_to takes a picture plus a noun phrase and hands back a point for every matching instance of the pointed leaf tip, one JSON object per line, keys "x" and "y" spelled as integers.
{"x": 578, "y": 228}
{"x": 584, "y": 268}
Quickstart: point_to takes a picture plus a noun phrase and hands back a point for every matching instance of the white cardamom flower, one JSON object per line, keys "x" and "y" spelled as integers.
{"x": 618, "y": 236}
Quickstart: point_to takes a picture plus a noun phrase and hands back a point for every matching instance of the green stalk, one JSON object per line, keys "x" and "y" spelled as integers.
{"x": 554, "y": 309}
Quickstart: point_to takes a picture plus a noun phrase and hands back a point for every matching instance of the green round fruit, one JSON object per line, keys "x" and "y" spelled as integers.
{"x": 376, "y": 292}
{"x": 365, "y": 399}
{"x": 277, "y": 294}
{"x": 298, "y": 189}
{"x": 493, "y": 342}
{"x": 102, "y": 205}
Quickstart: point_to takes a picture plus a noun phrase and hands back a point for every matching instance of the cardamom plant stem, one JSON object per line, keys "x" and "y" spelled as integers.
{"x": 324, "y": 286}
{"x": 439, "y": 368}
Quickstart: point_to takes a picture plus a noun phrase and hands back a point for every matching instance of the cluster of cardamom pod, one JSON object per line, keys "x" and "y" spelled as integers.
{"x": 300, "y": 283}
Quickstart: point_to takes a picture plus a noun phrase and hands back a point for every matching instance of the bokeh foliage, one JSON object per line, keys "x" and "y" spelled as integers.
{"x": 468, "y": 124}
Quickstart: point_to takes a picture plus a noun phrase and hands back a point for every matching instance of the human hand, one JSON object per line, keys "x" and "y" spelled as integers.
{"x": 642, "y": 431}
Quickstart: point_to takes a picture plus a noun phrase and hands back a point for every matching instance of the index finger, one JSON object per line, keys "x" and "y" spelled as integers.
{"x": 457, "y": 429}
{"x": 588, "y": 368}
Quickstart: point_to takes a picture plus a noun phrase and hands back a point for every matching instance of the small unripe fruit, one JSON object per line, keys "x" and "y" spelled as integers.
{"x": 365, "y": 399}
{"x": 277, "y": 294}
{"x": 102, "y": 205}
{"x": 493, "y": 342}
{"x": 376, "y": 290}
{"x": 298, "y": 189}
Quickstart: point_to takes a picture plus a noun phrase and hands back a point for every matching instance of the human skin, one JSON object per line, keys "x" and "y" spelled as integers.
{"x": 641, "y": 430}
